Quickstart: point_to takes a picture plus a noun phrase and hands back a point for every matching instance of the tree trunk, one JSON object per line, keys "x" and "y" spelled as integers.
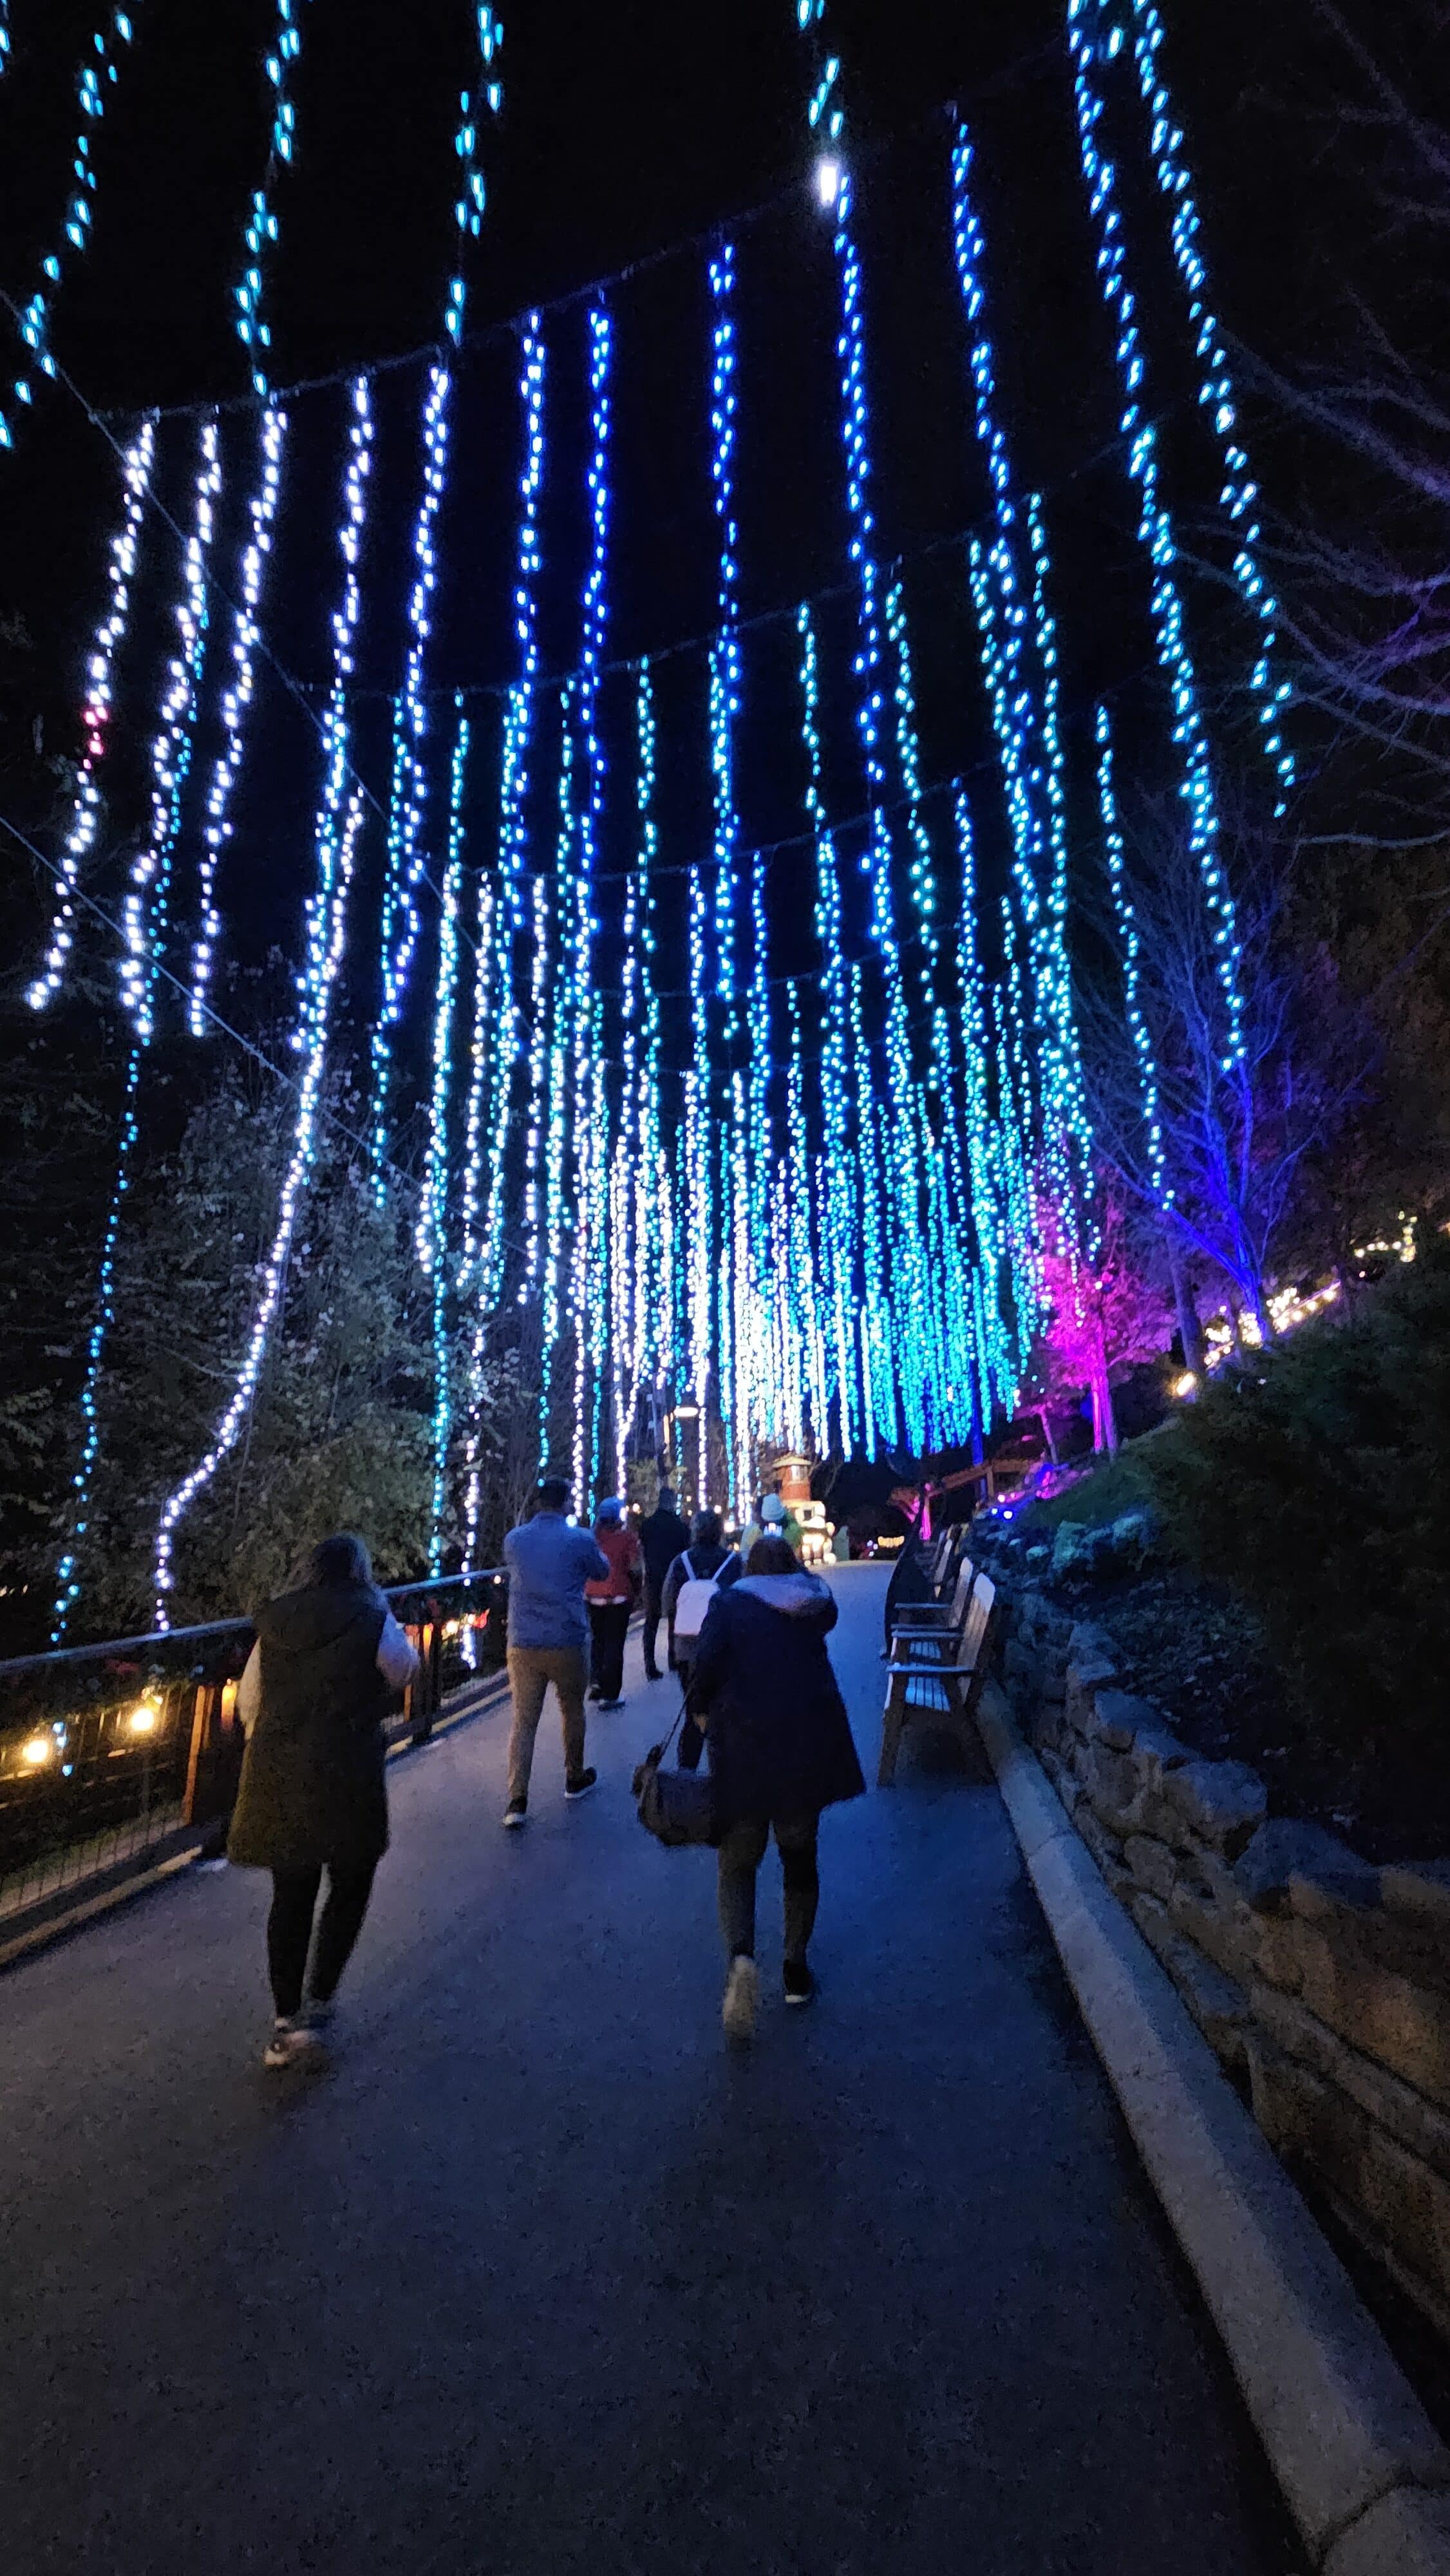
{"x": 1190, "y": 1330}
{"x": 1045, "y": 1422}
{"x": 1105, "y": 1420}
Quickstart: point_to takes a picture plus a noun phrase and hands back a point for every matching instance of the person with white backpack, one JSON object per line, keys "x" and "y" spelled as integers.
{"x": 705, "y": 1567}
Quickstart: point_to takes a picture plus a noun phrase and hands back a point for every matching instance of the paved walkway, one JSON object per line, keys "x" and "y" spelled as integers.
{"x": 541, "y": 2278}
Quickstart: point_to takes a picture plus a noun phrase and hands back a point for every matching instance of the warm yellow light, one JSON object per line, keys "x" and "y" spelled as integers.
{"x": 1185, "y": 1385}
{"x": 38, "y": 1750}
{"x": 144, "y": 1718}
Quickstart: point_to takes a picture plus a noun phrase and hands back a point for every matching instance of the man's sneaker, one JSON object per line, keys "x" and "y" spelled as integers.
{"x": 800, "y": 1985}
{"x": 580, "y": 1783}
{"x": 742, "y": 1998}
{"x": 291, "y": 2039}
{"x": 652, "y": 1673}
{"x": 516, "y": 1812}
{"x": 594, "y": 1691}
{"x": 611, "y": 1703}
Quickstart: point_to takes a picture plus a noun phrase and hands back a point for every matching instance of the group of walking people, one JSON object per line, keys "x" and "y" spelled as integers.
{"x": 746, "y": 1634}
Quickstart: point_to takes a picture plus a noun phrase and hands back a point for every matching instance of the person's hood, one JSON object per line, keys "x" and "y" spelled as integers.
{"x": 302, "y": 1622}
{"x": 796, "y": 1596}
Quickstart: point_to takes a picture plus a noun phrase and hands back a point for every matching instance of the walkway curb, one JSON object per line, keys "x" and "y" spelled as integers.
{"x": 1362, "y": 2469}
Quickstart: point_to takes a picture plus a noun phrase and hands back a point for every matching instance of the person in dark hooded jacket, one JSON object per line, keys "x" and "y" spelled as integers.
{"x": 780, "y": 1749}
{"x": 328, "y": 1661}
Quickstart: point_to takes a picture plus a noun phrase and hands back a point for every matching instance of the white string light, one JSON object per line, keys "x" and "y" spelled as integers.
{"x": 432, "y": 1235}
{"x": 236, "y": 700}
{"x": 85, "y": 821}
{"x": 145, "y": 909}
{"x": 339, "y": 820}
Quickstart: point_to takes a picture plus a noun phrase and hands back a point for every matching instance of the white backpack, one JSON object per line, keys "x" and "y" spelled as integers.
{"x": 692, "y": 1602}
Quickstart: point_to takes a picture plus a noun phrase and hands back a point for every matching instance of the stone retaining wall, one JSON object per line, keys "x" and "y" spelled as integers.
{"x": 1323, "y": 1984}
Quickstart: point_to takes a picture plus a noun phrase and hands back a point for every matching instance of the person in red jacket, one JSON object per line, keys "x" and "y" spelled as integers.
{"x": 611, "y": 1598}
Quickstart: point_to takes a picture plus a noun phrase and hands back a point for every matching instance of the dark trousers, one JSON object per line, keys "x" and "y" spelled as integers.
{"x": 609, "y": 1626}
{"x": 742, "y": 1849}
{"x": 652, "y": 1617}
{"x": 289, "y": 1931}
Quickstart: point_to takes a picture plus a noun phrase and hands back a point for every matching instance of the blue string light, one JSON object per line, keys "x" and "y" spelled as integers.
{"x": 253, "y": 329}
{"x": 486, "y": 98}
{"x": 236, "y": 699}
{"x": 339, "y": 819}
{"x": 1127, "y": 920}
{"x": 839, "y": 1200}
{"x": 4, "y": 36}
{"x": 98, "y": 75}
{"x": 1239, "y": 495}
{"x": 80, "y": 840}
{"x": 145, "y": 911}
{"x": 1089, "y": 47}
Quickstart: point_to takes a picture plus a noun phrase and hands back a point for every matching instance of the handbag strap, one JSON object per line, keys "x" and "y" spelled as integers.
{"x": 681, "y": 1714}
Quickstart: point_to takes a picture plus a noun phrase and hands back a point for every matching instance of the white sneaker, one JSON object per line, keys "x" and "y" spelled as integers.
{"x": 289, "y": 2041}
{"x": 742, "y": 1998}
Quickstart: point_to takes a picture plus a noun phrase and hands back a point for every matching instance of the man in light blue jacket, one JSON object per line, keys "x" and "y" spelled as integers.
{"x": 549, "y": 1562}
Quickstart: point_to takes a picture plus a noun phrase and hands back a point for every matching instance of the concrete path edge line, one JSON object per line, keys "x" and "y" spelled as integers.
{"x": 1341, "y": 2425}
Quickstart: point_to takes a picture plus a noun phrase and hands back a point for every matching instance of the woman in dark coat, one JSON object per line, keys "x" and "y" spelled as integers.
{"x": 780, "y": 1750}
{"x": 328, "y": 1662}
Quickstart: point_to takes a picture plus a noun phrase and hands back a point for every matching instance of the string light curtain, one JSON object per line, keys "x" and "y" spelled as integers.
{"x": 339, "y": 820}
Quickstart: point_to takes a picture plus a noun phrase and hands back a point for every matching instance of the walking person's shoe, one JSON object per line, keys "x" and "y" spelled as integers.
{"x": 579, "y": 1783}
{"x": 516, "y": 1812}
{"x": 594, "y": 1691}
{"x": 611, "y": 1703}
{"x": 742, "y": 1998}
{"x": 800, "y": 1985}
{"x": 292, "y": 2038}
{"x": 652, "y": 1673}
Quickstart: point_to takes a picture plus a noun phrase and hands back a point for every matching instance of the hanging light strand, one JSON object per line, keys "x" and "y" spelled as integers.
{"x": 402, "y": 922}
{"x": 145, "y": 911}
{"x": 1125, "y": 914}
{"x": 502, "y": 1034}
{"x": 339, "y": 819}
{"x": 253, "y": 329}
{"x": 485, "y": 99}
{"x": 1093, "y": 40}
{"x": 98, "y": 76}
{"x": 86, "y": 811}
{"x": 1217, "y": 396}
{"x": 236, "y": 701}
{"x": 432, "y": 1233}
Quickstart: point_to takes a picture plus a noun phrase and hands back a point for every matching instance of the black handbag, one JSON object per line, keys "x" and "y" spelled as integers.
{"x": 677, "y": 1807}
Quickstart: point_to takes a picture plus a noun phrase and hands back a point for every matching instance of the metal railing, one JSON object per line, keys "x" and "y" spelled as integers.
{"x": 113, "y": 1757}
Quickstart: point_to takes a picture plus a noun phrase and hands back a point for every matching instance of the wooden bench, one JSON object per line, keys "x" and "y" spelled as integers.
{"x": 934, "y": 1690}
{"x": 940, "y": 1622}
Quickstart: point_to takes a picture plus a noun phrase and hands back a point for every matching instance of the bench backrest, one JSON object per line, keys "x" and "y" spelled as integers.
{"x": 979, "y": 1612}
{"x": 961, "y": 1596}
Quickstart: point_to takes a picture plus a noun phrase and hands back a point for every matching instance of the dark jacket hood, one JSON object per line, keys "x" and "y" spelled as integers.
{"x": 797, "y": 1596}
{"x": 302, "y": 1622}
